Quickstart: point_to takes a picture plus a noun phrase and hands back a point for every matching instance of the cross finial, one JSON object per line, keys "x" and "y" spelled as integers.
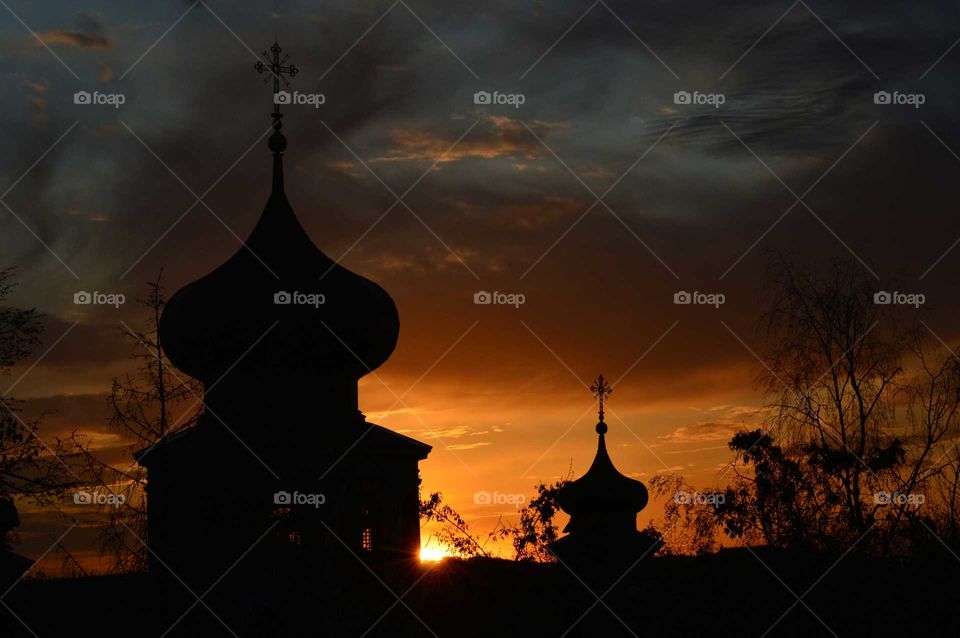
{"x": 601, "y": 389}
{"x": 276, "y": 67}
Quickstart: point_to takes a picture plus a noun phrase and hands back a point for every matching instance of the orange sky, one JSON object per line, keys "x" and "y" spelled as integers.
{"x": 501, "y": 411}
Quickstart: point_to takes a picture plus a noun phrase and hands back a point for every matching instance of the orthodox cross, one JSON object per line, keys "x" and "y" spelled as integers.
{"x": 277, "y": 69}
{"x": 601, "y": 389}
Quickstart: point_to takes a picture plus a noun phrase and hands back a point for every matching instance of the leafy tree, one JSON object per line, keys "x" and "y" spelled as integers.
{"x": 451, "y": 530}
{"x": 537, "y": 529}
{"x": 777, "y": 503}
{"x": 689, "y": 523}
{"x": 530, "y": 537}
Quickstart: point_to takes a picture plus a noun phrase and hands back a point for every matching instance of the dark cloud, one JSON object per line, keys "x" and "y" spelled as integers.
{"x": 97, "y": 344}
{"x": 62, "y": 414}
{"x": 90, "y": 33}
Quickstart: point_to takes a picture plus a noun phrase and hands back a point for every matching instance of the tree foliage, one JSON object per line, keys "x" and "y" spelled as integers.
{"x": 689, "y": 524}
{"x": 537, "y": 529}
{"x": 451, "y": 531}
{"x": 530, "y": 537}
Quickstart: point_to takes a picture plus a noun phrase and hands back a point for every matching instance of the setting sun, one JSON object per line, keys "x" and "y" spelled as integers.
{"x": 432, "y": 554}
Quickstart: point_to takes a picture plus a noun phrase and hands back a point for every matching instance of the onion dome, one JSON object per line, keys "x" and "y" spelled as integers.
{"x": 603, "y": 488}
{"x": 281, "y": 305}
{"x": 603, "y": 496}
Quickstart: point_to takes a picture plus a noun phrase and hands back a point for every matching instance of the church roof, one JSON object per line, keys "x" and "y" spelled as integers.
{"x": 378, "y": 439}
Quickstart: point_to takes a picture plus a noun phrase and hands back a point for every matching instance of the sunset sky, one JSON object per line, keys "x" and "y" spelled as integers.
{"x": 597, "y": 199}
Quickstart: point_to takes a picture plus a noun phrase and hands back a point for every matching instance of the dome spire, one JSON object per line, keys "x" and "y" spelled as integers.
{"x": 277, "y": 69}
{"x": 601, "y": 389}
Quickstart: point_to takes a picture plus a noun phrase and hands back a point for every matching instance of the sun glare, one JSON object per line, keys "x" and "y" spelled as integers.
{"x": 432, "y": 554}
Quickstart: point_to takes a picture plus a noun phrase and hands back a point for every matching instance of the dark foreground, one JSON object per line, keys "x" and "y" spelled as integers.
{"x": 735, "y": 593}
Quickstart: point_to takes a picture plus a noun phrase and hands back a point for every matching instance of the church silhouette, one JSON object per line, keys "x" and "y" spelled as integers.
{"x": 282, "y": 469}
{"x": 602, "y": 537}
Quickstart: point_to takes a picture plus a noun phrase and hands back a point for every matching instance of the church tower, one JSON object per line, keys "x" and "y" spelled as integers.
{"x": 603, "y": 505}
{"x": 279, "y": 335}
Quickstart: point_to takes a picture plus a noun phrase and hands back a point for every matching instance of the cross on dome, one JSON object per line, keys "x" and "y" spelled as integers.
{"x": 277, "y": 69}
{"x": 601, "y": 389}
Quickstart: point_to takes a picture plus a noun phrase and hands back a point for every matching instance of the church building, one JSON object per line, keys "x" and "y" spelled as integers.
{"x": 282, "y": 465}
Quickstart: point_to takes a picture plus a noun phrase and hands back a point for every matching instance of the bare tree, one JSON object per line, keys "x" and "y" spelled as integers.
{"x": 931, "y": 407}
{"x": 832, "y": 360}
{"x": 863, "y": 401}
{"x": 148, "y": 404}
{"x": 29, "y": 467}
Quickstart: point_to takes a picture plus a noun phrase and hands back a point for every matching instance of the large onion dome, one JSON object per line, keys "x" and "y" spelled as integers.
{"x": 281, "y": 305}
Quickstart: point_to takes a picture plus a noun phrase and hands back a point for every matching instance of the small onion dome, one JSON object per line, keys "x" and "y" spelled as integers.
{"x": 325, "y": 320}
{"x": 603, "y": 489}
